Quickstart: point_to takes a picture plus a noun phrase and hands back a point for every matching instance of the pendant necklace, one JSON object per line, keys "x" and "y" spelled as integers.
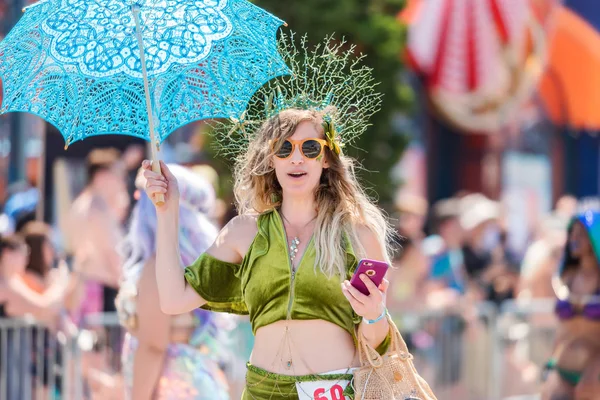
{"x": 295, "y": 240}
{"x": 293, "y": 252}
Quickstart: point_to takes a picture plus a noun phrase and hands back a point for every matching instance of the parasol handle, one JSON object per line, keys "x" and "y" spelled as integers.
{"x": 159, "y": 198}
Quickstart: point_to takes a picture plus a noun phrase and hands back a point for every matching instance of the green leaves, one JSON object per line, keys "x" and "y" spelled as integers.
{"x": 375, "y": 30}
{"x": 377, "y": 33}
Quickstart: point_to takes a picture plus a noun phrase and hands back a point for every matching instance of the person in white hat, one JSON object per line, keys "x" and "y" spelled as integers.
{"x": 482, "y": 252}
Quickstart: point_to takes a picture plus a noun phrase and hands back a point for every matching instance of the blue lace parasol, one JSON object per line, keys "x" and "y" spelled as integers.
{"x": 79, "y": 64}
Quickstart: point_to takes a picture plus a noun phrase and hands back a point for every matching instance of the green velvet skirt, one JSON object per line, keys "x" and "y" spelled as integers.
{"x": 264, "y": 385}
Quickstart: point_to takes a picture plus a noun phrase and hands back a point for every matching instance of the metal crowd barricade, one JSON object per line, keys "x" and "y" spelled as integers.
{"x": 526, "y": 330}
{"x": 33, "y": 361}
{"x": 454, "y": 349}
{"x": 482, "y": 352}
{"x": 98, "y": 354}
{"x": 64, "y": 363}
{"x": 475, "y": 352}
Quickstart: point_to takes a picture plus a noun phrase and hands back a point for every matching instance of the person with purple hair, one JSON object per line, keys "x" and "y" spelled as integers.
{"x": 167, "y": 357}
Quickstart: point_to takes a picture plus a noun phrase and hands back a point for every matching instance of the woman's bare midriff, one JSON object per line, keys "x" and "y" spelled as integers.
{"x": 316, "y": 346}
{"x": 579, "y": 337}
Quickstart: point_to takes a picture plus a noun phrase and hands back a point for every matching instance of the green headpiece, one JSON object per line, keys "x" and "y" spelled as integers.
{"x": 329, "y": 78}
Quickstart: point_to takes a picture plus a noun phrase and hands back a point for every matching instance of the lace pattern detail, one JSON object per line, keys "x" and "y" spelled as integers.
{"x": 76, "y": 64}
{"x": 98, "y": 37}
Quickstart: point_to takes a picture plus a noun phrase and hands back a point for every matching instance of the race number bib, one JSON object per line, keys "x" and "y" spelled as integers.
{"x": 322, "y": 390}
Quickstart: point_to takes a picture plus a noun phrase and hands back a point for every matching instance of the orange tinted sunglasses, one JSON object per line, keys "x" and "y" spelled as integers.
{"x": 310, "y": 148}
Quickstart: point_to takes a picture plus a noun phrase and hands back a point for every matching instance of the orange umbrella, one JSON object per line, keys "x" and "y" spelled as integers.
{"x": 570, "y": 86}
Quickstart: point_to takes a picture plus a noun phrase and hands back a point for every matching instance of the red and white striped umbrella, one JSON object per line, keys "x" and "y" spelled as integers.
{"x": 479, "y": 58}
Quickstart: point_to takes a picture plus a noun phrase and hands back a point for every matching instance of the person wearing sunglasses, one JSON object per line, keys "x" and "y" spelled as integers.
{"x": 577, "y": 287}
{"x": 286, "y": 259}
{"x": 310, "y": 148}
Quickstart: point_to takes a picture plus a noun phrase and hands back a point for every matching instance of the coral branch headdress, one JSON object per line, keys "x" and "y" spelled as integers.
{"x": 329, "y": 78}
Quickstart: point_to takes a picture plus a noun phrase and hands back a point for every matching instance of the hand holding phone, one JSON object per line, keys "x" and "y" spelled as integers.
{"x": 374, "y": 270}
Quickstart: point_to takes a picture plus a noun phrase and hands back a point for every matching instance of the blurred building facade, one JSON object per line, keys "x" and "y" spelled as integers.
{"x": 553, "y": 138}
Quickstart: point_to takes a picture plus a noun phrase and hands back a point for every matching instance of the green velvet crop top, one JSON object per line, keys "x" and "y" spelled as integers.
{"x": 262, "y": 286}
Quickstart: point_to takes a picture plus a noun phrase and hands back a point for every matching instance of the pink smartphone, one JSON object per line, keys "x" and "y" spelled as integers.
{"x": 375, "y": 270}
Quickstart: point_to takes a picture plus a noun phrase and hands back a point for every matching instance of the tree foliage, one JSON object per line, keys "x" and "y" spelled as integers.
{"x": 371, "y": 25}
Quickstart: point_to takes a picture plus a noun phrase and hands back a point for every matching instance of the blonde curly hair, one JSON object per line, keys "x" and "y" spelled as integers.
{"x": 342, "y": 205}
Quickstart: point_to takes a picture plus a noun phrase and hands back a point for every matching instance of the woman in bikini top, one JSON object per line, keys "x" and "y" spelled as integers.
{"x": 577, "y": 287}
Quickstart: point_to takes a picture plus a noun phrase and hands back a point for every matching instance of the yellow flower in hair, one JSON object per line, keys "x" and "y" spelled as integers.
{"x": 329, "y": 129}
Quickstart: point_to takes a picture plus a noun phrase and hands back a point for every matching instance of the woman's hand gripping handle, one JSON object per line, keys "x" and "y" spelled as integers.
{"x": 161, "y": 185}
